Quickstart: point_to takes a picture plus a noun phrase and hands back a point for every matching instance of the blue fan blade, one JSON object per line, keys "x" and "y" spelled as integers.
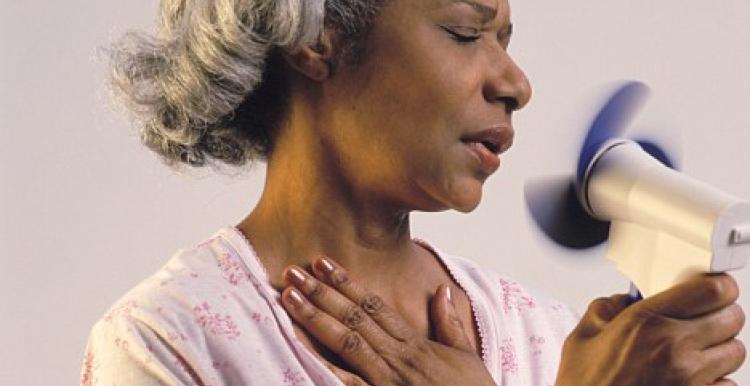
{"x": 611, "y": 122}
{"x": 658, "y": 152}
{"x": 554, "y": 206}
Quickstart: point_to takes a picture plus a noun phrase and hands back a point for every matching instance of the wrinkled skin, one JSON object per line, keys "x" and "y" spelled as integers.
{"x": 375, "y": 340}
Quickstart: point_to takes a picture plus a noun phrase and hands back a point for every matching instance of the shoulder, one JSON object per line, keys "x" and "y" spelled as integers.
{"x": 193, "y": 281}
{"x": 178, "y": 324}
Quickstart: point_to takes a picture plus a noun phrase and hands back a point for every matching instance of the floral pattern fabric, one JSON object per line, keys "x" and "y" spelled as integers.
{"x": 209, "y": 317}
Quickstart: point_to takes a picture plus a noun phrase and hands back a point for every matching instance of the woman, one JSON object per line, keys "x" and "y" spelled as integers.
{"x": 364, "y": 110}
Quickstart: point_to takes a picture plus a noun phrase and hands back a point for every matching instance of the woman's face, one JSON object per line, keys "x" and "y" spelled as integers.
{"x": 436, "y": 81}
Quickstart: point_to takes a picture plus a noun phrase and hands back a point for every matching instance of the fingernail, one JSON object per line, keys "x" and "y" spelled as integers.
{"x": 449, "y": 295}
{"x": 296, "y": 298}
{"x": 326, "y": 265}
{"x": 296, "y": 275}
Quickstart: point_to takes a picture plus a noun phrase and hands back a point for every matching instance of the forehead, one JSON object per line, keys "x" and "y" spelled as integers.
{"x": 486, "y": 10}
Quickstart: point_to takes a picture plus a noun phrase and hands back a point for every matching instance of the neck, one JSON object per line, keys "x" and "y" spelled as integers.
{"x": 309, "y": 208}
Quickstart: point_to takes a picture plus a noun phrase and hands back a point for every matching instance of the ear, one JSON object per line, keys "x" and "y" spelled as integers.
{"x": 316, "y": 61}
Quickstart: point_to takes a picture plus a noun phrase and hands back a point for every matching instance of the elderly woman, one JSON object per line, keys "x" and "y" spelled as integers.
{"x": 364, "y": 110}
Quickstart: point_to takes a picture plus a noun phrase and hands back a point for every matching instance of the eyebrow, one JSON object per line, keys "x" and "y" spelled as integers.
{"x": 487, "y": 12}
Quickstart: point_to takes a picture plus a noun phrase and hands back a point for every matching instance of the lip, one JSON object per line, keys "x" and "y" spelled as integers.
{"x": 486, "y": 146}
{"x": 499, "y": 138}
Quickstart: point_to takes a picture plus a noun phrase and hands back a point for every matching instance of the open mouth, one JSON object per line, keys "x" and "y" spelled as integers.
{"x": 491, "y": 146}
{"x": 495, "y": 140}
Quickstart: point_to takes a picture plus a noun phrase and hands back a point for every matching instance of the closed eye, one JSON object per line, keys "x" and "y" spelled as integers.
{"x": 465, "y": 36}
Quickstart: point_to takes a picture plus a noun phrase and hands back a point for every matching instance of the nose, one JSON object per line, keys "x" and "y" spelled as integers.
{"x": 507, "y": 83}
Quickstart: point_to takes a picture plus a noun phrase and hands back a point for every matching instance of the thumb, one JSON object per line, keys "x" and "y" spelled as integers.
{"x": 448, "y": 326}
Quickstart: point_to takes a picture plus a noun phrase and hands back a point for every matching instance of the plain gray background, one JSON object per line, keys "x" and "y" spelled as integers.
{"x": 86, "y": 212}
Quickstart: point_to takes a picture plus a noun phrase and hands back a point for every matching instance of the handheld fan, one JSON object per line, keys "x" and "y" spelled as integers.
{"x": 661, "y": 226}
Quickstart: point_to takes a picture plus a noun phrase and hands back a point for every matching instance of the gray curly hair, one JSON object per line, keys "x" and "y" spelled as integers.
{"x": 209, "y": 86}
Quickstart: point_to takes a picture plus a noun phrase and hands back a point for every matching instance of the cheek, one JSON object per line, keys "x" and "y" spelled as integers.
{"x": 397, "y": 152}
{"x": 445, "y": 96}
{"x": 424, "y": 93}
{"x": 408, "y": 123}
{"x": 456, "y": 76}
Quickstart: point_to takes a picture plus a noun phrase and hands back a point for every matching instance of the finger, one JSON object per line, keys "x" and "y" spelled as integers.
{"x": 348, "y": 378}
{"x": 718, "y": 327}
{"x": 614, "y": 305}
{"x": 337, "y": 305}
{"x": 389, "y": 320}
{"x": 695, "y": 297}
{"x": 448, "y": 326}
{"x": 344, "y": 376}
{"x": 600, "y": 312}
{"x": 722, "y": 360}
{"x": 346, "y": 343}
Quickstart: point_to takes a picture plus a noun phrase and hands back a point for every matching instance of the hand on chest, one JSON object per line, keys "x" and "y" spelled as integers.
{"x": 415, "y": 311}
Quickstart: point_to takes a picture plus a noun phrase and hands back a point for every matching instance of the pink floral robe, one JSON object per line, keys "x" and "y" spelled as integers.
{"x": 210, "y": 317}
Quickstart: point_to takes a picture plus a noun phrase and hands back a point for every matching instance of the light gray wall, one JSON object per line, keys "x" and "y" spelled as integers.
{"x": 85, "y": 212}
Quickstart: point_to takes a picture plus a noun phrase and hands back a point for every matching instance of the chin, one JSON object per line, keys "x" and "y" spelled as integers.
{"x": 467, "y": 207}
{"x": 463, "y": 196}
{"x": 468, "y": 198}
